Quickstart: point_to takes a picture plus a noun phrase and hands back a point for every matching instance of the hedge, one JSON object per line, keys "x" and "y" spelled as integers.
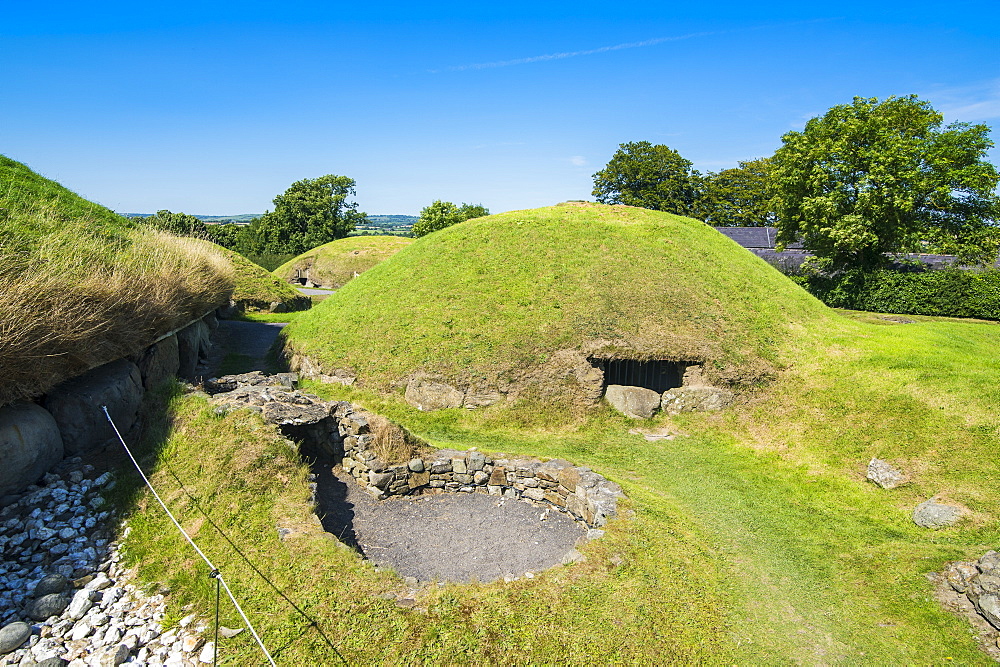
{"x": 947, "y": 292}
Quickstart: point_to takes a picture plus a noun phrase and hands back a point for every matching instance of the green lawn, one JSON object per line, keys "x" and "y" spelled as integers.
{"x": 751, "y": 539}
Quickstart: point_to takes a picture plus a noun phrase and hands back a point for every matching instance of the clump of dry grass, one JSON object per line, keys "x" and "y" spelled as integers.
{"x": 390, "y": 442}
{"x": 77, "y": 290}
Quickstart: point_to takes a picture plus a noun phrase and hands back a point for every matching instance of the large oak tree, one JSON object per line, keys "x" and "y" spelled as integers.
{"x": 873, "y": 178}
{"x": 654, "y": 177}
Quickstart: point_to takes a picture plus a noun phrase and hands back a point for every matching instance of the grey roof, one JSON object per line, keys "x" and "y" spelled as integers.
{"x": 760, "y": 241}
{"x": 755, "y": 237}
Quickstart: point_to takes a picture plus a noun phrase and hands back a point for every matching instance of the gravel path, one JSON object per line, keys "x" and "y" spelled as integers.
{"x": 458, "y": 537}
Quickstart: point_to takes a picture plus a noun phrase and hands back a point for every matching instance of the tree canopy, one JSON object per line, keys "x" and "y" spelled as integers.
{"x": 738, "y": 197}
{"x": 180, "y": 224}
{"x": 441, "y": 214}
{"x": 654, "y": 177}
{"x": 872, "y": 178}
{"x": 311, "y": 212}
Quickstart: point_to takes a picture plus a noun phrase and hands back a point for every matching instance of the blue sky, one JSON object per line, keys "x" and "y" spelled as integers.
{"x": 215, "y": 109}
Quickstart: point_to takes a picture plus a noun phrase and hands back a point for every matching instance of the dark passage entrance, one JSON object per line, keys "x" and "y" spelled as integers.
{"x": 656, "y": 375}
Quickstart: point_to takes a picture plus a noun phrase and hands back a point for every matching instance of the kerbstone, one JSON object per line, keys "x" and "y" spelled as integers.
{"x": 76, "y": 405}
{"x": 634, "y": 402}
{"x": 159, "y": 363}
{"x": 30, "y": 444}
{"x": 695, "y": 399}
{"x": 425, "y": 394}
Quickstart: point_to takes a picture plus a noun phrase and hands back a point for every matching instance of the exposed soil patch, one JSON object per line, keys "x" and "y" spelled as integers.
{"x": 458, "y": 537}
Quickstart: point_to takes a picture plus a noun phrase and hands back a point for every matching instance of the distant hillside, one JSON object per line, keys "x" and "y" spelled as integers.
{"x": 376, "y": 223}
{"x": 242, "y": 218}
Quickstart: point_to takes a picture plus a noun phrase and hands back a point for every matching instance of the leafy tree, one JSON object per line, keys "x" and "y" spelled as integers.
{"x": 225, "y": 234}
{"x": 655, "y": 177}
{"x": 311, "y": 212}
{"x": 180, "y": 224}
{"x": 739, "y": 197}
{"x": 443, "y": 214}
{"x": 872, "y": 178}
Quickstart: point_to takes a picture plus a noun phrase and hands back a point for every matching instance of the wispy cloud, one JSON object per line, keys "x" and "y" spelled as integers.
{"x": 972, "y": 103}
{"x": 578, "y": 161}
{"x": 606, "y": 49}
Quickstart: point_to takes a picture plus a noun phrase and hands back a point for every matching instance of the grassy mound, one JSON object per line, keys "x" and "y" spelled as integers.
{"x": 83, "y": 286}
{"x": 334, "y": 264}
{"x": 502, "y": 302}
{"x": 256, "y": 289}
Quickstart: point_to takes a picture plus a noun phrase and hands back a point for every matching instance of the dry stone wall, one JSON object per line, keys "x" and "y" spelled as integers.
{"x": 343, "y": 433}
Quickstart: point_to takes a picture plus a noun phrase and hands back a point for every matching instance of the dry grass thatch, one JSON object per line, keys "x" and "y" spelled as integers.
{"x": 77, "y": 292}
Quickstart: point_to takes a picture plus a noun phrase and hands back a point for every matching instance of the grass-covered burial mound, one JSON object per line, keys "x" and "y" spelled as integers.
{"x": 81, "y": 286}
{"x": 333, "y": 264}
{"x": 536, "y": 303}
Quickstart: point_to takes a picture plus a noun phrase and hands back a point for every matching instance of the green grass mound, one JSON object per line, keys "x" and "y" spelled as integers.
{"x": 522, "y": 301}
{"x": 334, "y": 264}
{"x": 83, "y": 286}
{"x": 256, "y": 289}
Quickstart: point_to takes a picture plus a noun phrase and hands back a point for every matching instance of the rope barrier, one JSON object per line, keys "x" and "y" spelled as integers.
{"x": 214, "y": 571}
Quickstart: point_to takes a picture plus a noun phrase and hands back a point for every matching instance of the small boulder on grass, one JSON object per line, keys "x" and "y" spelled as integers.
{"x": 882, "y": 474}
{"x": 933, "y": 514}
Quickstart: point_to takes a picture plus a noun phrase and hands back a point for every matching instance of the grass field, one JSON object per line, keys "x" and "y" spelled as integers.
{"x": 754, "y": 540}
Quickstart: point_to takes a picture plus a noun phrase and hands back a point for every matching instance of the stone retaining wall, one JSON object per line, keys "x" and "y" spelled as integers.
{"x": 68, "y": 421}
{"x": 343, "y": 434}
{"x": 577, "y": 491}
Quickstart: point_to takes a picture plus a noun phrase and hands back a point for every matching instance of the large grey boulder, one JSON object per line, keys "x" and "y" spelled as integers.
{"x": 47, "y": 605}
{"x": 193, "y": 343}
{"x": 76, "y": 405}
{"x": 884, "y": 475}
{"x": 30, "y": 444}
{"x": 932, "y": 514}
{"x": 425, "y": 394}
{"x": 51, "y": 583}
{"x": 695, "y": 399}
{"x": 634, "y": 402}
{"x": 159, "y": 362}
{"x": 13, "y": 635}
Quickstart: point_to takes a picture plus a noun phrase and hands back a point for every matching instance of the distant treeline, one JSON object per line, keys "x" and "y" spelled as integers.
{"x": 241, "y": 219}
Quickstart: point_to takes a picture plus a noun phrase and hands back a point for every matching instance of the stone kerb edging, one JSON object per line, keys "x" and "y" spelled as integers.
{"x": 341, "y": 431}
{"x": 67, "y": 421}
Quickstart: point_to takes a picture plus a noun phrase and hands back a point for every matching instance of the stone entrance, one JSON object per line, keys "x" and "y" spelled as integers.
{"x": 657, "y": 375}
